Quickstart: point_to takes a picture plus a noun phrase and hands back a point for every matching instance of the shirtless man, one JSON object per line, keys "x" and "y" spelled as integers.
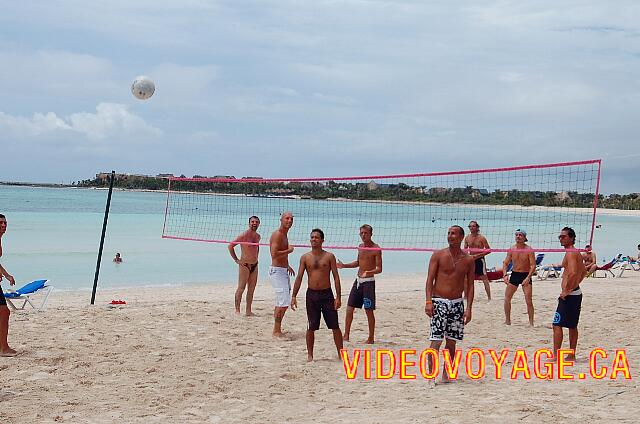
{"x": 570, "y": 300}
{"x": 475, "y": 240}
{"x": 451, "y": 273}
{"x": 280, "y": 270}
{"x": 637, "y": 258}
{"x": 247, "y": 264}
{"x": 363, "y": 292}
{"x": 319, "y": 264}
{"x": 589, "y": 259}
{"x": 5, "y": 350}
{"x": 524, "y": 265}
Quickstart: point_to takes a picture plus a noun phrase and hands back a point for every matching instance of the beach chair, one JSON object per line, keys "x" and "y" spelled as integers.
{"x": 549, "y": 271}
{"x": 539, "y": 259}
{"x": 606, "y": 268}
{"x": 627, "y": 263}
{"x": 26, "y": 294}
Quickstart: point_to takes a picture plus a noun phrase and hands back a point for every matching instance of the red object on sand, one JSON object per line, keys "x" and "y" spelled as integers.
{"x": 118, "y": 302}
{"x": 495, "y": 275}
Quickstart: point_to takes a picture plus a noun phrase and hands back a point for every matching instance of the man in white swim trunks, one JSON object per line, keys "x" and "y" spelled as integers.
{"x": 280, "y": 270}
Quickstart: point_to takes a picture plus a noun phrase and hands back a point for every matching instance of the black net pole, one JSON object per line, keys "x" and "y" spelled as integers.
{"x": 104, "y": 230}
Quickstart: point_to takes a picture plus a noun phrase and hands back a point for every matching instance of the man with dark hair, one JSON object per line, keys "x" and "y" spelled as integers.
{"x": 524, "y": 265}
{"x": 451, "y": 273}
{"x": 570, "y": 300}
{"x": 280, "y": 271}
{"x": 319, "y": 264}
{"x": 475, "y": 240}
{"x": 5, "y": 350}
{"x": 247, "y": 263}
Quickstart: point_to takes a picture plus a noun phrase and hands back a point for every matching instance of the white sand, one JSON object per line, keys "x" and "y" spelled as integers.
{"x": 181, "y": 355}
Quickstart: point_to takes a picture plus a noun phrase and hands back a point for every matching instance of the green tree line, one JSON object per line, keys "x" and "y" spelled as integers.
{"x": 387, "y": 192}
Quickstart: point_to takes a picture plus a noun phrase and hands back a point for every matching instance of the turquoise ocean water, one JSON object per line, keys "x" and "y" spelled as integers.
{"x": 55, "y": 234}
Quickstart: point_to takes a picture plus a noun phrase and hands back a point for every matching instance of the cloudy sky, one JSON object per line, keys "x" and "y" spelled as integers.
{"x": 317, "y": 88}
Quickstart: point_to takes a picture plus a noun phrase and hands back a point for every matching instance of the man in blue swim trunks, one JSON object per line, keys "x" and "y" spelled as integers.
{"x": 524, "y": 265}
{"x": 363, "y": 291}
{"x": 570, "y": 300}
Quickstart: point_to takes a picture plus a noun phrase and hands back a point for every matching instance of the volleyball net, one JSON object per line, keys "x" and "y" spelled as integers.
{"x": 407, "y": 212}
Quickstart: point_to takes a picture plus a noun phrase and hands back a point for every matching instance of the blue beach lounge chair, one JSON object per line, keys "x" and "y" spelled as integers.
{"x": 26, "y": 293}
{"x": 627, "y": 263}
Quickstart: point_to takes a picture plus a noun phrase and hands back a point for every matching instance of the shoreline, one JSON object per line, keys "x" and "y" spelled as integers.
{"x": 599, "y": 211}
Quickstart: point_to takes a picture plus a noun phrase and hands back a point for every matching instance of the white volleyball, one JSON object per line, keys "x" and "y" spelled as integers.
{"x": 143, "y": 87}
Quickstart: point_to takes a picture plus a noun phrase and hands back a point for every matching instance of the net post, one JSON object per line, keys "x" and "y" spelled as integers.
{"x": 166, "y": 209}
{"x": 104, "y": 230}
{"x": 595, "y": 203}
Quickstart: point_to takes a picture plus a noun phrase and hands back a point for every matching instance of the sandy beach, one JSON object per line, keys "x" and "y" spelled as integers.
{"x": 181, "y": 355}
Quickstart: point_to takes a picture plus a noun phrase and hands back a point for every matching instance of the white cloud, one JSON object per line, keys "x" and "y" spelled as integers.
{"x": 110, "y": 120}
{"x": 37, "y": 125}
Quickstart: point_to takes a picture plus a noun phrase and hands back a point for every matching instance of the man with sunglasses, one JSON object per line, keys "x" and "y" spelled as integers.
{"x": 570, "y": 300}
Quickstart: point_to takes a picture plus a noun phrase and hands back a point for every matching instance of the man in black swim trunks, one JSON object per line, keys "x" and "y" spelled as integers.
{"x": 570, "y": 300}
{"x": 524, "y": 265}
{"x": 319, "y": 264}
{"x": 5, "y": 350}
{"x": 475, "y": 240}
{"x": 247, "y": 264}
